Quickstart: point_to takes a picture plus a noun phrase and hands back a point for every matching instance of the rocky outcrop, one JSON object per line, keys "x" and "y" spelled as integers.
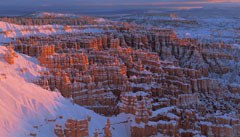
{"x": 138, "y": 104}
{"x": 10, "y": 55}
{"x": 73, "y": 128}
{"x": 140, "y": 130}
{"x": 107, "y": 130}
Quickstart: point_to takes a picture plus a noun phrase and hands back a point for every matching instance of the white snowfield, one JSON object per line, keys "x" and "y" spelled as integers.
{"x": 24, "y": 104}
{"x": 44, "y": 14}
{"x": 8, "y": 30}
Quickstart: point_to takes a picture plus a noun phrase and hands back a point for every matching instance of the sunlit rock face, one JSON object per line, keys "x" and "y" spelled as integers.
{"x": 10, "y": 55}
{"x": 171, "y": 86}
{"x": 73, "y": 128}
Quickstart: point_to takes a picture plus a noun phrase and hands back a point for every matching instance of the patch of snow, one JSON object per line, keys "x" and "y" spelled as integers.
{"x": 164, "y": 110}
{"x": 100, "y": 20}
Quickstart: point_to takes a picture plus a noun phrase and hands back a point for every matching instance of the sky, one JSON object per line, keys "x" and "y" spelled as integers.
{"x": 110, "y": 2}
{"x": 23, "y": 7}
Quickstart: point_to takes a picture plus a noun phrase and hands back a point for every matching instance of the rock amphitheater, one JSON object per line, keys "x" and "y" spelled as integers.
{"x": 169, "y": 86}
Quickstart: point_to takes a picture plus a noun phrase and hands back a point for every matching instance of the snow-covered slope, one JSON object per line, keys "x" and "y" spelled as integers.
{"x": 8, "y": 30}
{"x": 52, "y": 14}
{"x": 24, "y": 105}
{"x": 20, "y": 100}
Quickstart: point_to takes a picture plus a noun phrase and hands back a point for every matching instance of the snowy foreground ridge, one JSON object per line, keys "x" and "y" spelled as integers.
{"x": 24, "y": 105}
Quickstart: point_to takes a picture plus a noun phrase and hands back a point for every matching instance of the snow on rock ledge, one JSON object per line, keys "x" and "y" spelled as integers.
{"x": 8, "y": 30}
